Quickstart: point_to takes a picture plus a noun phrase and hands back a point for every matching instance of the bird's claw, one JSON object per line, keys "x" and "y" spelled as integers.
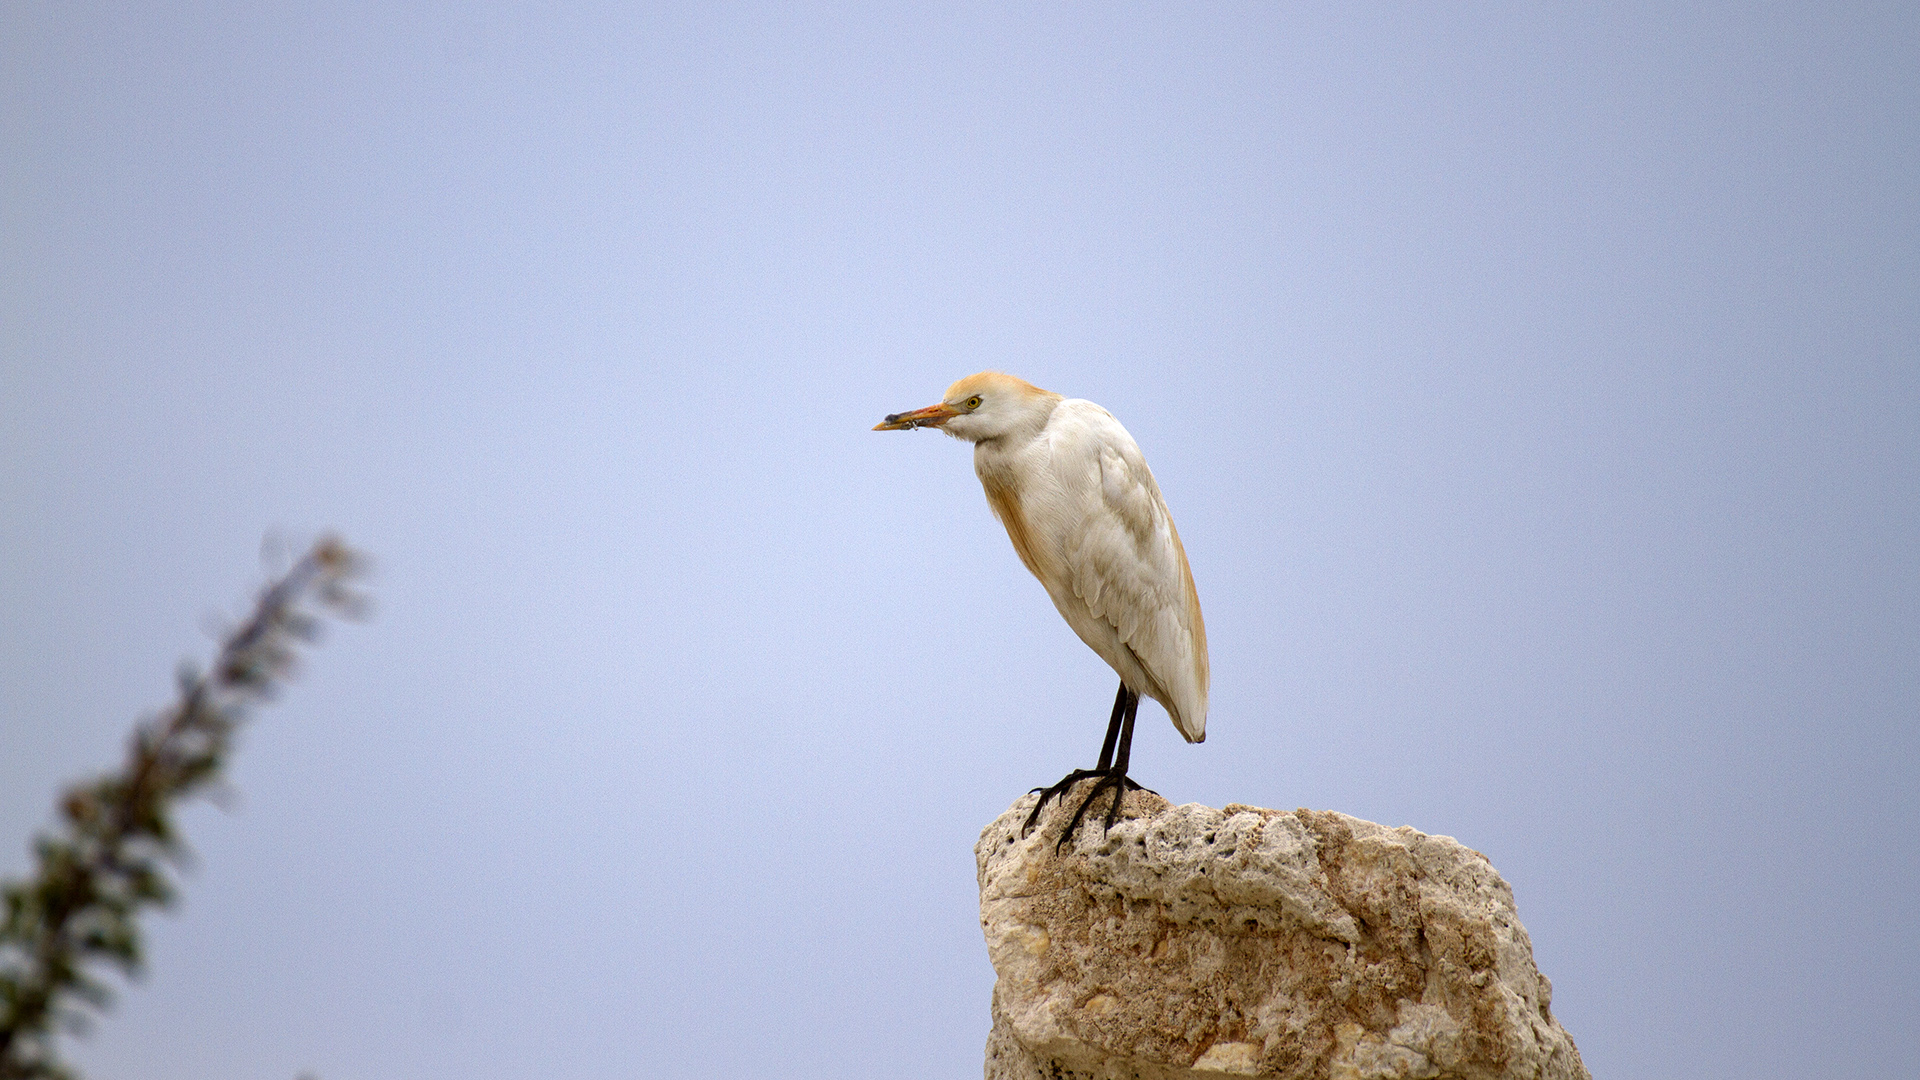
{"x": 1119, "y": 784}
{"x": 1057, "y": 791}
{"x": 1108, "y": 780}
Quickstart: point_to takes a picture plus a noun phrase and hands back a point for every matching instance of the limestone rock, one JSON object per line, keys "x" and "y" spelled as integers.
{"x": 1190, "y": 943}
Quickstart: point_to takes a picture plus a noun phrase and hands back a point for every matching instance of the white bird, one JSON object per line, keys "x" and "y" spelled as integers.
{"x": 1086, "y": 517}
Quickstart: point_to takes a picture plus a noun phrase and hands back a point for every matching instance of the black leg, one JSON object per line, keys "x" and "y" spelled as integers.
{"x": 1124, "y": 783}
{"x": 1120, "y": 705}
{"x": 1114, "y": 779}
{"x": 1109, "y": 775}
{"x": 1126, "y": 734}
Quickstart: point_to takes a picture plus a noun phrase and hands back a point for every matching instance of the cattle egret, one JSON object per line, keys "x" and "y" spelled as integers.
{"x": 1086, "y": 517}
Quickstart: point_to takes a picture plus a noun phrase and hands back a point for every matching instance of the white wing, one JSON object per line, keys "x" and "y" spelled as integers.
{"x": 1124, "y": 562}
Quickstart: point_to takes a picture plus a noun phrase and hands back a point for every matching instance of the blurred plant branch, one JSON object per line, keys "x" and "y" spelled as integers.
{"x": 109, "y": 857}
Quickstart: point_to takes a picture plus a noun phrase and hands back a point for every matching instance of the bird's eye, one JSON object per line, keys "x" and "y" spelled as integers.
{"x": 973, "y": 402}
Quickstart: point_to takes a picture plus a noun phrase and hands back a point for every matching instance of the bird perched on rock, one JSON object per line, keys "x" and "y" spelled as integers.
{"x": 1086, "y": 517}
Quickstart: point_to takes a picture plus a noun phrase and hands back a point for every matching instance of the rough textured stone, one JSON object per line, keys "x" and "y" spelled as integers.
{"x": 1189, "y": 942}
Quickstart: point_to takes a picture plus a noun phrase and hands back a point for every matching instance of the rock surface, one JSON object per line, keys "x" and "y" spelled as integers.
{"x": 1190, "y": 942}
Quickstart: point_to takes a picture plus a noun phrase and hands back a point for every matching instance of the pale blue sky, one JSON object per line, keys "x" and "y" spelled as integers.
{"x": 1538, "y": 392}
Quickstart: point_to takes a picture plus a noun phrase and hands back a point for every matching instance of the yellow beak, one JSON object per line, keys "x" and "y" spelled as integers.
{"x": 931, "y": 416}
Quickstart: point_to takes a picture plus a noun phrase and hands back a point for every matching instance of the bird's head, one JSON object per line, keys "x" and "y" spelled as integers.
{"x": 981, "y": 407}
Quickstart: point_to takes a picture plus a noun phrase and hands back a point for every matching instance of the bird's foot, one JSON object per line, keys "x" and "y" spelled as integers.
{"x": 1057, "y": 791}
{"x": 1115, "y": 781}
{"x": 1104, "y": 780}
